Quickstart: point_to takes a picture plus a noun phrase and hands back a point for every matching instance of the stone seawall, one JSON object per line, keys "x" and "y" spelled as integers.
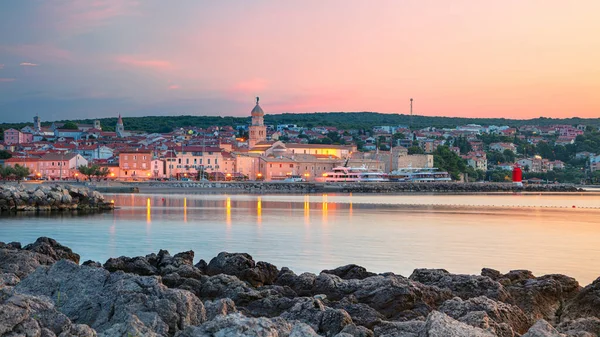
{"x": 387, "y": 187}
{"x": 51, "y": 198}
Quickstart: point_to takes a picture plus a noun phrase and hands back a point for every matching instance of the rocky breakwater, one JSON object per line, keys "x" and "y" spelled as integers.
{"x": 362, "y": 187}
{"x": 51, "y": 198}
{"x": 45, "y": 292}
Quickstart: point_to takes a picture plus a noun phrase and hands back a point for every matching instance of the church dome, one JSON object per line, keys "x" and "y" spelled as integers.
{"x": 257, "y": 111}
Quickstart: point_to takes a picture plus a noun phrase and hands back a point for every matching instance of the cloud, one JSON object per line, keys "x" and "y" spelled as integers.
{"x": 140, "y": 62}
{"x": 39, "y": 52}
{"x": 76, "y": 16}
{"x": 7, "y": 79}
{"x": 28, "y": 64}
{"x": 1, "y": 66}
{"x": 174, "y": 87}
{"x": 252, "y": 86}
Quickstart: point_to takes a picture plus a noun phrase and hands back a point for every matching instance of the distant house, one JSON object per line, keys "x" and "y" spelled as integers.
{"x": 501, "y": 147}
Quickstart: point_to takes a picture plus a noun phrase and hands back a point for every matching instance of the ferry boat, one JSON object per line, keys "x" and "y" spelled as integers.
{"x": 353, "y": 174}
{"x": 419, "y": 174}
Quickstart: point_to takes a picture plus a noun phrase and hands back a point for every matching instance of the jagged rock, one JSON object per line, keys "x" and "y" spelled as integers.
{"x": 114, "y": 304}
{"x": 585, "y": 304}
{"x": 21, "y": 262}
{"x": 8, "y": 280}
{"x": 91, "y": 263}
{"x": 404, "y": 329}
{"x": 53, "y": 249}
{"x": 360, "y": 313}
{"x": 582, "y": 327}
{"x": 393, "y": 296}
{"x": 353, "y": 330}
{"x": 220, "y": 307}
{"x": 321, "y": 318}
{"x": 442, "y": 325}
{"x": 349, "y": 272}
{"x": 136, "y": 265}
{"x": 542, "y": 328}
{"x": 463, "y": 286}
{"x": 243, "y": 266}
{"x": 240, "y": 325}
{"x": 302, "y": 284}
{"x": 503, "y": 319}
{"x": 25, "y": 315}
{"x": 539, "y": 297}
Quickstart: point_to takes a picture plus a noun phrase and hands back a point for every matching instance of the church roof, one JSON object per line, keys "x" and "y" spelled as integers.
{"x": 257, "y": 110}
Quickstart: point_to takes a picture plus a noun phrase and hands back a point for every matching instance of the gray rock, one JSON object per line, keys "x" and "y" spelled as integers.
{"x": 25, "y": 315}
{"x": 322, "y": 319}
{"x": 349, "y": 272}
{"x": 585, "y": 304}
{"x": 404, "y": 329}
{"x": 114, "y": 304}
{"x": 220, "y": 307}
{"x": 540, "y": 297}
{"x": 239, "y": 325}
{"x": 503, "y": 319}
{"x": 463, "y": 286}
{"x": 542, "y": 329}
{"x": 243, "y": 266}
{"x": 442, "y": 325}
{"x": 589, "y": 327}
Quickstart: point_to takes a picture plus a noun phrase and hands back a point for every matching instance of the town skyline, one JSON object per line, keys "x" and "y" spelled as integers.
{"x": 81, "y": 60}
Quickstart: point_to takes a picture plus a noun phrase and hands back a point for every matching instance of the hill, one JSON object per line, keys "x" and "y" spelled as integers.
{"x": 343, "y": 120}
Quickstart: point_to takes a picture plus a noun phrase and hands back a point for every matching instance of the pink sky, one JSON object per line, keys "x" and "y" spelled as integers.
{"x": 516, "y": 59}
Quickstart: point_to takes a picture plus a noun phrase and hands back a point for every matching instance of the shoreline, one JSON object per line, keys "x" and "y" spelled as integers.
{"x": 234, "y": 295}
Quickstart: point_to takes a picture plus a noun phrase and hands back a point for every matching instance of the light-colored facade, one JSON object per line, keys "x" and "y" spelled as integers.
{"x": 135, "y": 165}
{"x": 12, "y": 137}
{"x": 61, "y": 166}
{"x": 33, "y": 164}
{"x": 415, "y": 160}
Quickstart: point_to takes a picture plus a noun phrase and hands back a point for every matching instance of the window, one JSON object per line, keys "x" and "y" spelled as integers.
{"x": 280, "y": 165}
{"x": 144, "y": 157}
{"x": 208, "y": 161}
{"x": 179, "y": 160}
{"x": 292, "y": 165}
{"x": 126, "y": 157}
{"x": 134, "y": 157}
{"x": 134, "y": 165}
{"x": 187, "y": 161}
{"x": 216, "y": 161}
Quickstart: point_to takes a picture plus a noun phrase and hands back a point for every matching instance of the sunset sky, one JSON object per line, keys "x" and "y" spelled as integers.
{"x": 67, "y": 59}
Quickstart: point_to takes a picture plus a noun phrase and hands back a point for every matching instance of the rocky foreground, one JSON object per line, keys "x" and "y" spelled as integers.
{"x": 45, "y": 292}
{"x": 51, "y": 198}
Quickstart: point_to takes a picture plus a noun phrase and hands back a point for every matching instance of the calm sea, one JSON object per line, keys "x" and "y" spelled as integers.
{"x": 544, "y": 233}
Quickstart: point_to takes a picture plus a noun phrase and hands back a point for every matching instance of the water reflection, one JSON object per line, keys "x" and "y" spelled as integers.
{"x": 185, "y": 210}
{"x": 311, "y": 233}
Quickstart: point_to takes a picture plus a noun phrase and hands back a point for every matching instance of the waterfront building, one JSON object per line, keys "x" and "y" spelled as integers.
{"x": 135, "y": 164}
{"x": 61, "y": 165}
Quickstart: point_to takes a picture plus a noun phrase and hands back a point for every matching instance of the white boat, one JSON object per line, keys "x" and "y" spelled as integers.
{"x": 353, "y": 174}
{"x": 419, "y": 174}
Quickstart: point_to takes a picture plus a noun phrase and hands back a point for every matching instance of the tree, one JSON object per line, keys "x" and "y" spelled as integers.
{"x": 509, "y": 156}
{"x": 6, "y": 172}
{"x": 5, "y": 154}
{"x": 447, "y": 160}
{"x": 102, "y": 172}
{"x": 415, "y": 150}
{"x": 70, "y": 126}
{"x": 20, "y": 172}
{"x": 86, "y": 171}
